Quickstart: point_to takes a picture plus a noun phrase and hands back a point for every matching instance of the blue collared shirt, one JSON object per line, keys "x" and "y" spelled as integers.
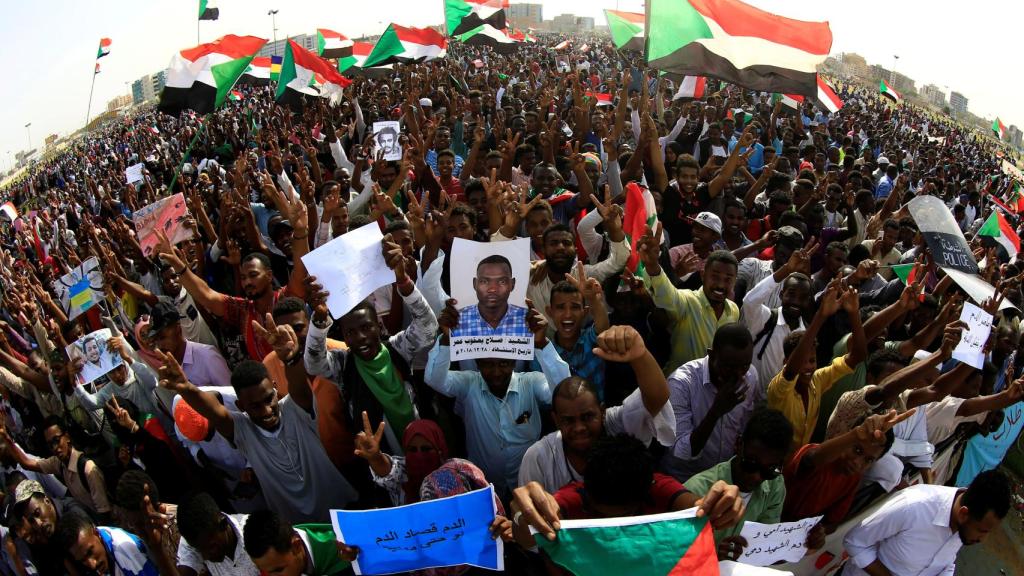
{"x": 472, "y": 324}
{"x": 498, "y": 430}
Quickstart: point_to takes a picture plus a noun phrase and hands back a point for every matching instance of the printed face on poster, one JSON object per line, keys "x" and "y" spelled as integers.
{"x": 96, "y": 358}
{"x": 167, "y": 214}
{"x": 489, "y": 281}
{"x": 81, "y": 288}
{"x": 385, "y": 139}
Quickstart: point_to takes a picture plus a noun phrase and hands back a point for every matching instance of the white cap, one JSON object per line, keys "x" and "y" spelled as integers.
{"x": 426, "y": 103}
{"x": 709, "y": 220}
{"x": 883, "y": 160}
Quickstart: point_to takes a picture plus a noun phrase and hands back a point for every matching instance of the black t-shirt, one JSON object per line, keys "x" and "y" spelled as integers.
{"x": 677, "y": 212}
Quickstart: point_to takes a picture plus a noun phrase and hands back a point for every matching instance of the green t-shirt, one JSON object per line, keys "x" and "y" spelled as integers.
{"x": 323, "y": 548}
{"x": 764, "y": 504}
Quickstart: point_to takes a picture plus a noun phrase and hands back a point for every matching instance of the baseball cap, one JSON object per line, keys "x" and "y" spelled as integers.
{"x": 709, "y": 220}
{"x": 426, "y": 103}
{"x": 162, "y": 315}
{"x": 26, "y": 490}
{"x": 790, "y": 236}
{"x": 190, "y": 423}
{"x": 883, "y": 160}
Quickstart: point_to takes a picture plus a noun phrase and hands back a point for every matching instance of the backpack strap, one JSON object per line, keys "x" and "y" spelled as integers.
{"x": 766, "y": 332}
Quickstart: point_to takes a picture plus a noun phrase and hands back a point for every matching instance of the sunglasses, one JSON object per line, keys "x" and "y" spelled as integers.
{"x": 751, "y": 465}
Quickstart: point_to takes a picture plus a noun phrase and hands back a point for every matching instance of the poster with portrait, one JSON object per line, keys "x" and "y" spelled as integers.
{"x": 96, "y": 358}
{"x": 167, "y": 214}
{"x": 81, "y": 288}
{"x": 385, "y": 140}
{"x": 488, "y": 282}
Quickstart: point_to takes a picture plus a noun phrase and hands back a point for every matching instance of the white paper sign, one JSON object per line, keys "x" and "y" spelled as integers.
{"x": 385, "y": 139}
{"x": 730, "y": 568}
{"x": 489, "y": 280}
{"x": 769, "y": 543}
{"x": 972, "y": 341}
{"x": 134, "y": 173}
{"x": 350, "y": 267}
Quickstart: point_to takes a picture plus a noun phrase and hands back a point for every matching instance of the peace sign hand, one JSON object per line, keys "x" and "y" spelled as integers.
{"x": 368, "y": 441}
{"x": 281, "y": 338}
{"x": 171, "y": 375}
{"x": 875, "y": 426}
{"x": 590, "y": 288}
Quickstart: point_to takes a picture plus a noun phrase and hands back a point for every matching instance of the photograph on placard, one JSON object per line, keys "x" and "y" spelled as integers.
{"x": 385, "y": 139}
{"x": 489, "y": 281}
{"x": 93, "y": 352}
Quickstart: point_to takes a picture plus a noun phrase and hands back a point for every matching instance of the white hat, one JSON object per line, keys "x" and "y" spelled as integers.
{"x": 426, "y": 103}
{"x": 709, "y": 220}
{"x": 883, "y": 160}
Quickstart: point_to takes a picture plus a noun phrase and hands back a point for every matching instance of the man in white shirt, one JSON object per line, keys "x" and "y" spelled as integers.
{"x": 770, "y": 326}
{"x": 211, "y": 541}
{"x": 919, "y": 531}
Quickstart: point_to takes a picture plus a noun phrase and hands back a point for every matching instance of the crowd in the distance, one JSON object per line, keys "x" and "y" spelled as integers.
{"x": 765, "y": 361}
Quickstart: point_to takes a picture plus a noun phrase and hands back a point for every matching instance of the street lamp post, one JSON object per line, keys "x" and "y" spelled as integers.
{"x": 28, "y": 128}
{"x": 273, "y": 24}
{"x": 892, "y": 73}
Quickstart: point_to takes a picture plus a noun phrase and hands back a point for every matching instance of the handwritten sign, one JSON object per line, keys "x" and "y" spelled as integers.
{"x": 972, "y": 341}
{"x": 350, "y": 267}
{"x": 451, "y": 531}
{"x": 133, "y": 174}
{"x": 942, "y": 234}
{"x": 81, "y": 288}
{"x": 167, "y": 214}
{"x": 769, "y": 543}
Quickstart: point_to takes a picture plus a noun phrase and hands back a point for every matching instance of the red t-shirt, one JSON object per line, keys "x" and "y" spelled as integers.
{"x": 822, "y": 490}
{"x": 664, "y": 491}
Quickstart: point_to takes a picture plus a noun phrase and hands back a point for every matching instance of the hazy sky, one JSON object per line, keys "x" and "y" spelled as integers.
{"x": 54, "y": 42}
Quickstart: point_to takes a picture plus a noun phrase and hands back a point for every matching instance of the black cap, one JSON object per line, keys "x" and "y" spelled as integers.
{"x": 162, "y": 315}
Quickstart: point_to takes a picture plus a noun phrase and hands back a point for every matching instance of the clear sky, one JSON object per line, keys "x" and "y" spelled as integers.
{"x": 972, "y": 48}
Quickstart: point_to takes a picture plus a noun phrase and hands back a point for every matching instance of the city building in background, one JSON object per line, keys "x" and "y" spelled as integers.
{"x": 526, "y": 15}
{"x": 957, "y": 103}
{"x": 570, "y": 23}
{"x": 1014, "y": 136}
{"x": 933, "y": 95}
{"x": 272, "y": 48}
{"x": 118, "y": 102}
{"x": 148, "y": 87}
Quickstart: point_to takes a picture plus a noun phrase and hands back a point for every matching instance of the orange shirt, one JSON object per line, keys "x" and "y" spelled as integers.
{"x": 338, "y": 441}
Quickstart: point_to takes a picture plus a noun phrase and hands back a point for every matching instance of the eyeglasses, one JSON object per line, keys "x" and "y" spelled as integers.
{"x": 751, "y": 465}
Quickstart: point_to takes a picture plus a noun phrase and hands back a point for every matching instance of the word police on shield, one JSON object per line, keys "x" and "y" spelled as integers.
{"x": 944, "y": 238}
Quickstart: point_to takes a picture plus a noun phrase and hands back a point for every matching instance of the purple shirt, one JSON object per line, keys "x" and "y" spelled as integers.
{"x": 204, "y": 366}
{"x": 692, "y": 395}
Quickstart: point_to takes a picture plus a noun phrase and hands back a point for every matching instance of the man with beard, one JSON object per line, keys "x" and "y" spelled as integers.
{"x": 561, "y": 457}
{"x": 492, "y": 315}
{"x": 35, "y": 516}
{"x": 922, "y": 528}
{"x": 695, "y": 314}
{"x": 278, "y": 437}
{"x": 559, "y": 244}
{"x": 256, "y": 281}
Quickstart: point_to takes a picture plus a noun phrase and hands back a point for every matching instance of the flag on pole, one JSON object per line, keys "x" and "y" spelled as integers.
{"x": 676, "y": 543}
{"x": 257, "y": 72}
{"x": 360, "y": 50}
{"x": 200, "y": 78}
{"x": 275, "y": 68}
{"x": 104, "y": 48}
{"x": 208, "y": 11}
{"x": 627, "y": 29}
{"x": 406, "y": 44}
{"x": 641, "y": 212}
{"x": 997, "y": 228}
{"x": 488, "y": 35}
{"x": 905, "y": 272}
{"x": 885, "y": 90}
{"x": 97, "y": 70}
{"x": 827, "y": 98}
{"x": 300, "y": 70}
{"x": 737, "y": 43}
{"x": 330, "y": 44}
{"x": 691, "y": 87}
{"x": 462, "y": 16}
{"x": 793, "y": 101}
{"x": 999, "y": 128}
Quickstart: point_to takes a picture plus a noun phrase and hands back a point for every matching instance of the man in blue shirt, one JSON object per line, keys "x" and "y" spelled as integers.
{"x": 887, "y": 182}
{"x": 492, "y": 315}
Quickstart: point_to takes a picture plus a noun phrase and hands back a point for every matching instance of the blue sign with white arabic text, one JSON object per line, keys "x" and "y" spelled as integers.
{"x": 432, "y": 534}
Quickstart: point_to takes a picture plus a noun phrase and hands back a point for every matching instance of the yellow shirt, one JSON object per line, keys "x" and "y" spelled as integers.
{"x": 782, "y": 396}
{"x": 694, "y": 318}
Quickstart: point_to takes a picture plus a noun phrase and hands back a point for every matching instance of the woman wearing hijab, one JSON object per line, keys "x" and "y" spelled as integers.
{"x": 146, "y": 350}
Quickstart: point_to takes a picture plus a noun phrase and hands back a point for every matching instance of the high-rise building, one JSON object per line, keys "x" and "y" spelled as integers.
{"x": 855, "y": 64}
{"x": 307, "y": 41}
{"x": 1014, "y": 136}
{"x": 958, "y": 102}
{"x": 933, "y": 95}
{"x": 118, "y": 102}
{"x": 526, "y": 14}
{"x": 148, "y": 87}
{"x": 569, "y": 23}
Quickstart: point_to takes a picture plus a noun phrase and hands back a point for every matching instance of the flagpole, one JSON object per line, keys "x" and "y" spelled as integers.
{"x": 202, "y": 127}
{"x": 88, "y": 110}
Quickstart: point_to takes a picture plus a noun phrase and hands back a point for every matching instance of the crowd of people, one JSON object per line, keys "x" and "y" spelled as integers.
{"x": 753, "y": 353}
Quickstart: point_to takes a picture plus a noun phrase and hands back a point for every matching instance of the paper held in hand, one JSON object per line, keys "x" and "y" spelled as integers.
{"x": 769, "y": 543}
{"x": 350, "y": 268}
{"x": 970, "y": 349}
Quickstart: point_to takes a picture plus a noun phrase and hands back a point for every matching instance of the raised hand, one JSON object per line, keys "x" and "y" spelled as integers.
{"x": 157, "y": 521}
{"x": 394, "y": 258}
{"x": 539, "y": 509}
{"x": 649, "y": 249}
{"x": 590, "y": 288}
{"x": 171, "y": 375}
{"x": 448, "y": 319}
{"x": 316, "y": 297}
{"x": 281, "y": 338}
{"x": 368, "y": 441}
{"x": 873, "y": 429}
{"x": 538, "y": 325}
{"x": 620, "y": 344}
{"x": 951, "y": 337}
